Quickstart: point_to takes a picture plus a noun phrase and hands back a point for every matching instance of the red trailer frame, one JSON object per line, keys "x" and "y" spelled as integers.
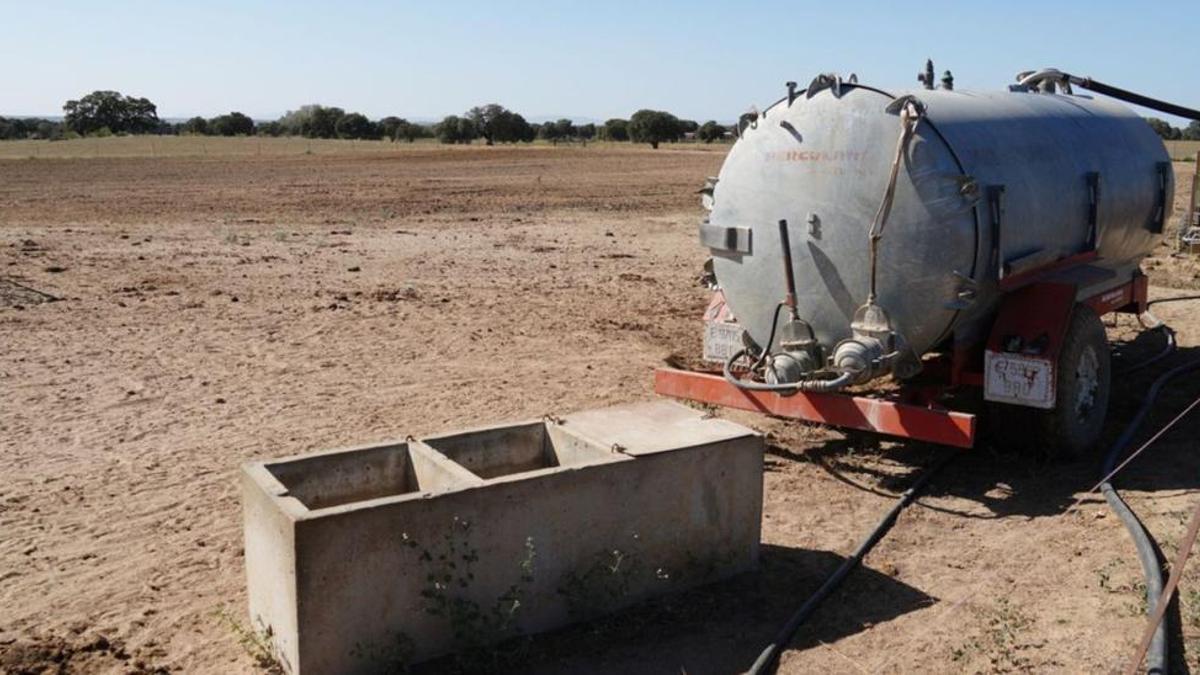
{"x": 1034, "y": 312}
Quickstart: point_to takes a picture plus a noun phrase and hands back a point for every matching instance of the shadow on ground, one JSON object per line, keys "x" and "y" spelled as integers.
{"x": 1006, "y": 483}
{"x": 719, "y": 628}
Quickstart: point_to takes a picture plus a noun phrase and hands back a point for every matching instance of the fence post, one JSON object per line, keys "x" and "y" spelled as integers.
{"x": 1191, "y": 212}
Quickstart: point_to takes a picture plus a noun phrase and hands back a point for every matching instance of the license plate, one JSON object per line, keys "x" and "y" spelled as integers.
{"x": 1020, "y": 380}
{"x": 722, "y": 340}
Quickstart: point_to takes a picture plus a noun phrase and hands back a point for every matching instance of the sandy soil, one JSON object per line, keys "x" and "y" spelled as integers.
{"x": 215, "y": 310}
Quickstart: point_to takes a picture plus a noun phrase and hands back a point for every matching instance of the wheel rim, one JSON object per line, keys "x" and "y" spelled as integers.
{"x": 1087, "y": 382}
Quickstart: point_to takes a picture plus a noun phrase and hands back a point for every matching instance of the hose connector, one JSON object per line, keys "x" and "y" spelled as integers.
{"x": 861, "y": 357}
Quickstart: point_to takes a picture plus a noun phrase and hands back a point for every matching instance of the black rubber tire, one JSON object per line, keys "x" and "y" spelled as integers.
{"x": 1076, "y": 422}
{"x": 1071, "y": 428}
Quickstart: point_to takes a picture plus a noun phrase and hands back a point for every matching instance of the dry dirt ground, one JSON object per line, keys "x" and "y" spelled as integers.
{"x": 211, "y": 310}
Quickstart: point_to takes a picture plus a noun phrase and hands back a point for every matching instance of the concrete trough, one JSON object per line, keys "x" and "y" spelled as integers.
{"x": 368, "y": 558}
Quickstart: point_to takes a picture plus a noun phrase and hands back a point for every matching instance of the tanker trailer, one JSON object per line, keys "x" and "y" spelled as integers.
{"x": 944, "y": 238}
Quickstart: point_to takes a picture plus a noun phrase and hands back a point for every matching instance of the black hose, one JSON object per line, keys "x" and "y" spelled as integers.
{"x": 769, "y": 656}
{"x": 1168, "y": 332}
{"x": 1147, "y": 552}
{"x": 1136, "y": 98}
{"x": 1156, "y": 659}
{"x": 1176, "y": 298}
{"x": 1167, "y": 350}
{"x": 766, "y": 349}
{"x": 820, "y": 386}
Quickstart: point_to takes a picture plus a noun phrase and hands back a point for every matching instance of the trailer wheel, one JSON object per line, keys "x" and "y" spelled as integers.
{"x": 1084, "y": 380}
{"x": 1076, "y": 422}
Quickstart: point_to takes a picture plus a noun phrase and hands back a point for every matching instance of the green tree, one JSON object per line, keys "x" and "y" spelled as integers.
{"x": 196, "y": 125}
{"x": 587, "y": 131}
{"x": 410, "y": 131}
{"x": 512, "y": 128}
{"x": 1163, "y": 129}
{"x": 688, "y": 127}
{"x": 1192, "y": 132}
{"x": 455, "y": 129}
{"x": 711, "y": 131}
{"x": 312, "y": 121}
{"x": 565, "y": 128}
{"x": 549, "y": 131}
{"x": 355, "y": 125}
{"x": 47, "y": 129}
{"x": 484, "y": 118}
{"x": 141, "y": 116}
{"x": 615, "y": 130}
{"x": 388, "y": 126}
{"x": 497, "y": 124}
{"x": 110, "y": 110}
{"x": 18, "y": 128}
{"x": 653, "y": 127}
{"x": 297, "y": 122}
{"x": 233, "y": 124}
{"x": 324, "y": 122}
{"x": 467, "y": 131}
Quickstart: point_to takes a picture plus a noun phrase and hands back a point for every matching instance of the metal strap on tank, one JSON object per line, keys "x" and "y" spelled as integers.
{"x": 1093, "y": 217}
{"x": 719, "y": 238}
{"x": 995, "y": 204}
{"x": 1160, "y": 212}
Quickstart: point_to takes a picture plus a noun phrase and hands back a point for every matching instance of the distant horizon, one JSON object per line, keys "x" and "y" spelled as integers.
{"x": 532, "y": 119}
{"x": 698, "y": 60}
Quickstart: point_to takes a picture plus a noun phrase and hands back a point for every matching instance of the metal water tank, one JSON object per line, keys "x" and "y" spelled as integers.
{"x": 990, "y": 184}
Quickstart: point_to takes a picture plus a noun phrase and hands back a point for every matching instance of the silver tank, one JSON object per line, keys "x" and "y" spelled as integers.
{"x": 822, "y": 164}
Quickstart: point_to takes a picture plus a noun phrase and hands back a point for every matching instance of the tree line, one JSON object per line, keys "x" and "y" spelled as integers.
{"x": 105, "y": 113}
{"x": 1169, "y": 133}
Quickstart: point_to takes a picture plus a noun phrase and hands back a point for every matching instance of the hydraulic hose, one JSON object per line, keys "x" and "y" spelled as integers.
{"x": 768, "y": 658}
{"x": 820, "y": 386}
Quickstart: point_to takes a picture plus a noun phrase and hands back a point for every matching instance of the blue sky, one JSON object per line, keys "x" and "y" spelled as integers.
{"x": 698, "y": 59}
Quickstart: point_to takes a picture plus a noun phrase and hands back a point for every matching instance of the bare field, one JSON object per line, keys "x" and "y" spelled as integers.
{"x": 215, "y": 309}
{"x": 217, "y": 146}
{"x": 190, "y": 146}
{"x": 1183, "y": 150}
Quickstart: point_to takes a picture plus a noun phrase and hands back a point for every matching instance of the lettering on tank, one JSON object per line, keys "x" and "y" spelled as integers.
{"x": 814, "y": 156}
